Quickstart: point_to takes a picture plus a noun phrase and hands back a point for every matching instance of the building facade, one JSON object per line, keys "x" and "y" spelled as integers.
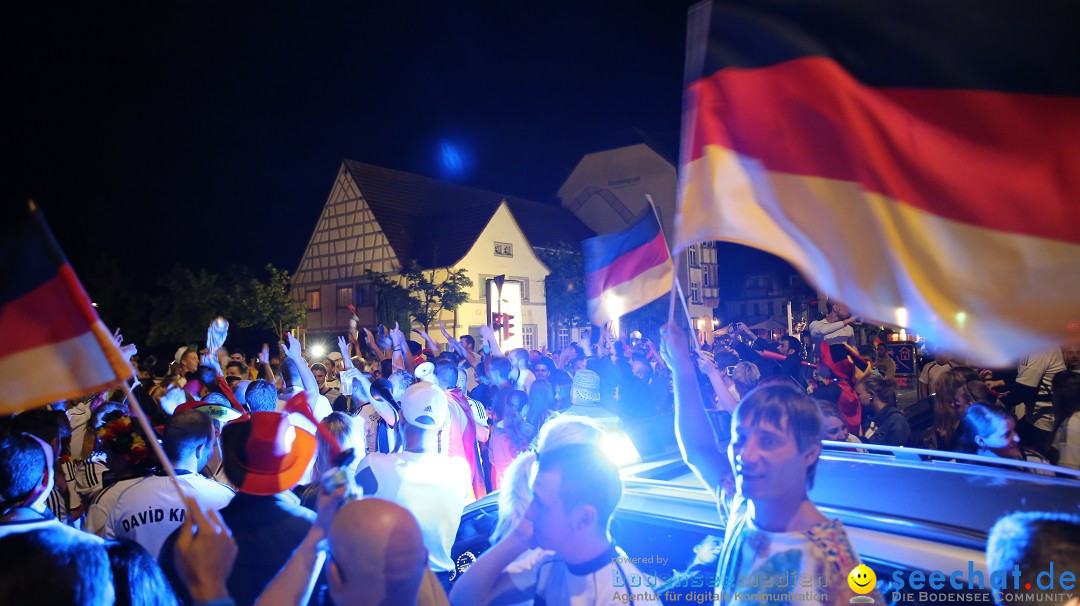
{"x": 379, "y": 219}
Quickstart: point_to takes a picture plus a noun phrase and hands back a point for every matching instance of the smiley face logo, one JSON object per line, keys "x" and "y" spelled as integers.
{"x": 861, "y": 579}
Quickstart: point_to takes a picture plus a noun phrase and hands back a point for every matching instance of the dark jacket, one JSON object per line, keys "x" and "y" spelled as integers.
{"x": 267, "y": 530}
{"x": 892, "y": 428}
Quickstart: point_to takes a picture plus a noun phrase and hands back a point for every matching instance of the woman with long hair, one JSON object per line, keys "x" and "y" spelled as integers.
{"x": 943, "y": 431}
{"x": 341, "y": 427}
{"x": 511, "y": 435}
{"x": 990, "y": 431}
{"x": 541, "y": 403}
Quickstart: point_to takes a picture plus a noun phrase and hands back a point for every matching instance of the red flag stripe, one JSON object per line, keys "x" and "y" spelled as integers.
{"x": 978, "y": 157}
{"x": 628, "y": 266}
{"x": 972, "y": 289}
{"x": 47, "y": 314}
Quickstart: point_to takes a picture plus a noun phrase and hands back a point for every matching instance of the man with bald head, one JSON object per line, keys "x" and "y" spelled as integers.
{"x": 377, "y": 556}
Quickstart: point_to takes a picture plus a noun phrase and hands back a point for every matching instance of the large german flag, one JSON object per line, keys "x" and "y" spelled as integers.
{"x": 54, "y": 346}
{"x": 916, "y": 159}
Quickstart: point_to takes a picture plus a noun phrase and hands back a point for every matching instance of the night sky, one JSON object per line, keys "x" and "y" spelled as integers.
{"x": 207, "y": 133}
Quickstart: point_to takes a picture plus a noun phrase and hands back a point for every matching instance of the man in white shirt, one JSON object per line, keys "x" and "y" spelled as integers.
{"x": 574, "y": 496}
{"x": 149, "y": 509}
{"x": 26, "y": 480}
{"x": 466, "y": 425}
{"x": 835, "y": 327}
{"x": 1031, "y": 395}
{"x": 432, "y": 486}
{"x": 761, "y": 479}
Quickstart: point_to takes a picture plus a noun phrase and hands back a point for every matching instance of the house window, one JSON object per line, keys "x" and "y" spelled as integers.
{"x": 313, "y": 300}
{"x": 528, "y": 336}
{"x": 771, "y": 308}
{"x": 705, "y": 277}
{"x": 563, "y": 337}
{"x": 344, "y": 296}
{"x": 757, "y": 309}
{"x": 692, "y": 255}
{"x": 502, "y": 249}
{"x": 742, "y": 309}
{"x": 695, "y": 292}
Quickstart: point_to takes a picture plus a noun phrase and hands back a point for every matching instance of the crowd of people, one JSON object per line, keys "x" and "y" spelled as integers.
{"x": 269, "y": 453}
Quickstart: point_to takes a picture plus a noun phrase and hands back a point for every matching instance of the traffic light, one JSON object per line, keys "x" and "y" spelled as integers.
{"x": 497, "y": 322}
{"x": 507, "y": 325}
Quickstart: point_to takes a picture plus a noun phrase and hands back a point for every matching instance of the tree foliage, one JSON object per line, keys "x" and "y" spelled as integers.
{"x": 188, "y": 301}
{"x": 432, "y": 294}
{"x": 394, "y": 301}
{"x": 419, "y": 294}
{"x": 564, "y": 287}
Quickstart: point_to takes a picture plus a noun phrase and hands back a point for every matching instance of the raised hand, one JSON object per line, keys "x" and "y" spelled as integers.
{"x": 446, "y": 335}
{"x": 673, "y": 346}
{"x": 343, "y": 347}
{"x": 264, "y": 355}
{"x": 291, "y": 347}
{"x": 205, "y": 553}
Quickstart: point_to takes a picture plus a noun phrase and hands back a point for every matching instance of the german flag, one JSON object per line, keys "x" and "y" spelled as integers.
{"x": 918, "y": 160}
{"x": 54, "y": 345}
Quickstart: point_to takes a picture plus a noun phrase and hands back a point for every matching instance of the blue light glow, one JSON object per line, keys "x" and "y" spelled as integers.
{"x": 453, "y": 159}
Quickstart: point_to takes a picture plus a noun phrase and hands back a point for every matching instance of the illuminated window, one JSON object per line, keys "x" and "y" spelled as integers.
{"x": 313, "y": 300}
{"x": 692, "y": 255}
{"x": 344, "y": 296}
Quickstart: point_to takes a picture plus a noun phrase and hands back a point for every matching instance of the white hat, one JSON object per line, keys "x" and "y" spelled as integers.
{"x": 424, "y": 405}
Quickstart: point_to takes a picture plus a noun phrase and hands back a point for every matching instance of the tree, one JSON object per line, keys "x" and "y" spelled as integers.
{"x": 186, "y": 305}
{"x": 190, "y": 300}
{"x": 270, "y": 304}
{"x": 419, "y": 294}
{"x": 432, "y": 295}
{"x": 564, "y": 287}
{"x": 394, "y": 303}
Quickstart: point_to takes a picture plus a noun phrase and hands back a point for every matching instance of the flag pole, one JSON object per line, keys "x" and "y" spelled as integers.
{"x": 151, "y": 437}
{"x": 676, "y": 290}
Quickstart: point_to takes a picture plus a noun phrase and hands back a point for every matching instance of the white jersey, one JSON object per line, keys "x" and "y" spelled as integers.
{"x": 370, "y": 418}
{"x": 102, "y": 503}
{"x": 1038, "y": 371}
{"x": 433, "y": 487}
{"x": 148, "y": 510}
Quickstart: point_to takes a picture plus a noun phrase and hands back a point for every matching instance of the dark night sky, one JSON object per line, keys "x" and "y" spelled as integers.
{"x": 191, "y": 131}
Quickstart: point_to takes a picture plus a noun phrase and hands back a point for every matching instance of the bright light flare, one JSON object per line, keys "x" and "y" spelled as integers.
{"x": 619, "y": 448}
{"x": 902, "y": 317}
{"x": 318, "y": 351}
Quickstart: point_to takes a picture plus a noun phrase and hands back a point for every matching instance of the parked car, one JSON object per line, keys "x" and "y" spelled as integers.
{"x": 906, "y": 510}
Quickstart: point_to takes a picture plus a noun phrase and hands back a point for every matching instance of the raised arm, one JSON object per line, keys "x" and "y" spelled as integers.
{"x": 291, "y": 348}
{"x": 692, "y": 428}
{"x": 401, "y": 346}
{"x": 720, "y": 382}
{"x": 427, "y": 339}
{"x": 488, "y": 335}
